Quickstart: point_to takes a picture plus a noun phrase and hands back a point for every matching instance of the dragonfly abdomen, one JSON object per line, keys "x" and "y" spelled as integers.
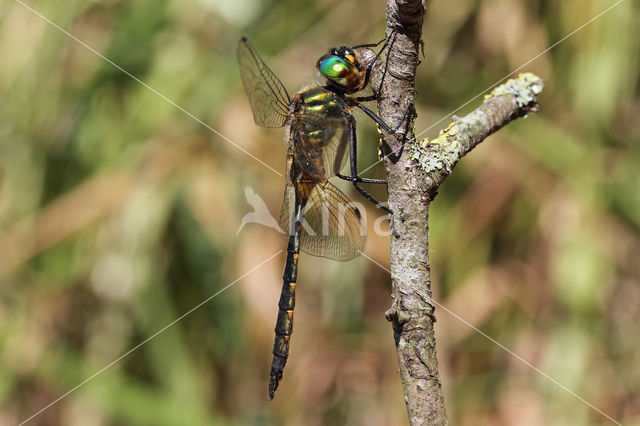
{"x": 284, "y": 323}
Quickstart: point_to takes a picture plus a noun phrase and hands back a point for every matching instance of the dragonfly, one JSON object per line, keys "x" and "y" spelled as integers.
{"x": 321, "y": 220}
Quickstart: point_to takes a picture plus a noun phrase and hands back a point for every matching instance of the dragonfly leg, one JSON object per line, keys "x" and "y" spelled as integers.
{"x": 354, "y": 178}
{"x": 372, "y": 198}
{"x": 386, "y": 65}
{"x": 366, "y": 98}
{"x": 361, "y": 180}
{"x": 373, "y": 97}
{"x": 370, "y": 44}
{"x": 375, "y": 117}
{"x": 384, "y": 46}
{"x": 380, "y": 122}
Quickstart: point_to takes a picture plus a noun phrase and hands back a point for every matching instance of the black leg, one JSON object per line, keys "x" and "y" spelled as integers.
{"x": 369, "y": 44}
{"x": 361, "y": 180}
{"x": 386, "y": 63}
{"x": 366, "y": 98}
{"x": 356, "y": 101}
{"x": 379, "y": 120}
{"x": 340, "y": 152}
{"x": 367, "y": 74}
{"x": 375, "y": 118}
{"x": 404, "y": 116}
{"x": 354, "y": 178}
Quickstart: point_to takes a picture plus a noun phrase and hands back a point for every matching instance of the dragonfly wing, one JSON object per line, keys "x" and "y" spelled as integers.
{"x": 334, "y": 156}
{"x": 289, "y": 201}
{"x": 321, "y": 144}
{"x": 268, "y": 98}
{"x": 333, "y": 226}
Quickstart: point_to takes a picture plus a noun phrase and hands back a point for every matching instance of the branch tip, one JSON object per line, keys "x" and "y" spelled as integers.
{"x": 515, "y": 98}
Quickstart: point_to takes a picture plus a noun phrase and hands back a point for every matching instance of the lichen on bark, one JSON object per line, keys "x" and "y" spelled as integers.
{"x": 515, "y": 98}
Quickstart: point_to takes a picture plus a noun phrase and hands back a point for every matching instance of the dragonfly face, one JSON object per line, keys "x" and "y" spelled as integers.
{"x": 343, "y": 69}
{"x": 320, "y": 219}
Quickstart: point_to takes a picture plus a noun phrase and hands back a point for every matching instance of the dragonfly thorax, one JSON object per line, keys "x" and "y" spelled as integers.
{"x": 321, "y": 101}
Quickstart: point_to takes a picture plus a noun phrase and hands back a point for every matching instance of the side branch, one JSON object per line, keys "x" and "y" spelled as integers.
{"x": 515, "y": 98}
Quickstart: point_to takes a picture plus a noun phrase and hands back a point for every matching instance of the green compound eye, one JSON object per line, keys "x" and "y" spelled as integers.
{"x": 333, "y": 67}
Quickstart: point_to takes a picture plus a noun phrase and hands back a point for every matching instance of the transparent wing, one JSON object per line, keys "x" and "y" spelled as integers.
{"x": 268, "y": 98}
{"x": 333, "y": 226}
{"x": 320, "y": 143}
{"x": 289, "y": 199}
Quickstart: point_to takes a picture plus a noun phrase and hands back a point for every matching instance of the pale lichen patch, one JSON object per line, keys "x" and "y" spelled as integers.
{"x": 462, "y": 134}
{"x": 441, "y": 153}
{"x": 525, "y": 88}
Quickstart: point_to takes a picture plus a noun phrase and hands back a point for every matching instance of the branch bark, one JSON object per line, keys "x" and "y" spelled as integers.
{"x": 415, "y": 170}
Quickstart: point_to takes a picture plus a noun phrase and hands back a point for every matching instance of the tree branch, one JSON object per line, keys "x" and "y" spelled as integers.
{"x": 514, "y": 99}
{"x": 415, "y": 170}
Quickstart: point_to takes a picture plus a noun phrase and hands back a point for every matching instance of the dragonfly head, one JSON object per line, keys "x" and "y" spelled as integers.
{"x": 343, "y": 70}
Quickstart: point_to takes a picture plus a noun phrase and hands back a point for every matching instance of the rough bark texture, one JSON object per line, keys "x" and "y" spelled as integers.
{"x": 414, "y": 172}
{"x": 412, "y": 311}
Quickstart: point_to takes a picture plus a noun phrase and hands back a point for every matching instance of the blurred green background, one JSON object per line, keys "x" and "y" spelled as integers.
{"x": 119, "y": 212}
